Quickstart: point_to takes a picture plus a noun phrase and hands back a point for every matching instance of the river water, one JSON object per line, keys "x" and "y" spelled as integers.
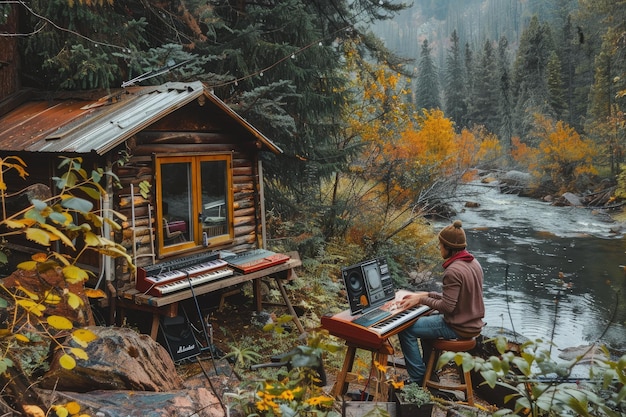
{"x": 554, "y": 273}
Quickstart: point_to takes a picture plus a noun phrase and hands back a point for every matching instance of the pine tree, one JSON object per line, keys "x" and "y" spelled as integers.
{"x": 456, "y": 107}
{"x": 96, "y": 45}
{"x": 293, "y": 49}
{"x": 66, "y": 60}
{"x": 469, "y": 85}
{"x": 297, "y": 100}
{"x": 608, "y": 87}
{"x": 505, "y": 117}
{"x": 607, "y": 96}
{"x": 485, "y": 96}
{"x": 427, "y": 89}
{"x": 587, "y": 43}
{"x": 567, "y": 55}
{"x": 530, "y": 81}
{"x": 555, "y": 86}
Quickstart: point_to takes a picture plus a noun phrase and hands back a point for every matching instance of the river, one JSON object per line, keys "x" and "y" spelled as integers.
{"x": 553, "y": 273}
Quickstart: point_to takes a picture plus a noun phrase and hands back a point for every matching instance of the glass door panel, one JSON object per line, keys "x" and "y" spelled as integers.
{"x": 176, "y": 203}
{"x": 214, "y": 185}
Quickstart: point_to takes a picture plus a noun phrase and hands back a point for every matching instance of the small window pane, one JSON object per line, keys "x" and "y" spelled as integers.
{"x": 177, "y": 202}
{"x": 214, "y": 209}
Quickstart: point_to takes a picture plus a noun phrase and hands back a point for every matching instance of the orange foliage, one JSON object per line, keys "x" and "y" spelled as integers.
{"x": 469, "y": 147}
{"x": 490, "y": 149}
{"x": 362, "y": 230}
{"x": 561, "y": 155}
{"x": 436, "y": 145}
{"x": 477, "y": 147}
{"x": 430, "y": 147}
{"x": 523, "y": 154}
{"x": 380, "y": 107}
{"x": 565, "y": 155}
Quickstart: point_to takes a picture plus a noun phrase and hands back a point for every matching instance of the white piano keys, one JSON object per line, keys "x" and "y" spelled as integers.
{"x": 166, "y": 276}
{"x": 193, "y": 281}
{"x": 207, "y": 266}
{"x": 177, "y": 274}
{"x": 398, "y": 319}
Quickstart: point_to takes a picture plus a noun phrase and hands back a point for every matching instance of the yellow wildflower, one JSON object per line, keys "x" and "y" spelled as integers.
{"x": 261, "y": 406}
{"x": 397, "y": 384}
{"x": 287, "y": 395}
{"x": 320, "y": 400}
{"x": 380, "y": 367}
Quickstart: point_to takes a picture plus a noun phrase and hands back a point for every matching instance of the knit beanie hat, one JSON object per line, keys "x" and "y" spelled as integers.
{"x": 453, "y": 236}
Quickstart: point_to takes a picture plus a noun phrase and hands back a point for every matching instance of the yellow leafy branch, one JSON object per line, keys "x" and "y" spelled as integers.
{"x": 51, "y": 219}
{"x": 34, "y": 306}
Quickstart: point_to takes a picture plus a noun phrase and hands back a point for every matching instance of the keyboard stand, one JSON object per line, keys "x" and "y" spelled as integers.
{"x": 378, "y": 383}
{"x": 357, "y": 337}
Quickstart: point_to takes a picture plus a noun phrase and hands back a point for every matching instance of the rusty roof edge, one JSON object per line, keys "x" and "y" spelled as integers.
{"x": 264, "y": 139}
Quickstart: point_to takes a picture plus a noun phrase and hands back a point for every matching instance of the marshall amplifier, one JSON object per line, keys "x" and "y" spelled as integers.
{"x": 177, "y": 337}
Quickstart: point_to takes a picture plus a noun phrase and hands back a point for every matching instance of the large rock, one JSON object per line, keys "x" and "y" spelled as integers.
{"x": 198, "y": 402}
{"x": 572, "y": 199}
{"x": 129, "y": 374}
{"x": 120, "y": 359}
{"x": 515, "y": 182}
{"x": 522, "y": 179}
{"x": 584, "y": 354}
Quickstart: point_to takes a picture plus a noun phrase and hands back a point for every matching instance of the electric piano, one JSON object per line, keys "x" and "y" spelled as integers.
{"x": 375, "y": 335}
{"x": 178, "y": 274}
{"x": 255, "y": 260}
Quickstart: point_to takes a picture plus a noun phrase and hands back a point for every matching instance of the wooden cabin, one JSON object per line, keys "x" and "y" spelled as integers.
{"x": 196, "y": 161}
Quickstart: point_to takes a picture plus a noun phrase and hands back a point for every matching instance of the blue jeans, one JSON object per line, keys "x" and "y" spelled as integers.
{"x": 425, "y": 329}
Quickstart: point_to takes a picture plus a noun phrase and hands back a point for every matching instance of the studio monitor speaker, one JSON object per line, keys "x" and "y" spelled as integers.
{"x": 355, "y": 286}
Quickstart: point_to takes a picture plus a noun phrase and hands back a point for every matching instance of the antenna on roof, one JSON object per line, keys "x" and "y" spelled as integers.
{"x": 163, "y": 70}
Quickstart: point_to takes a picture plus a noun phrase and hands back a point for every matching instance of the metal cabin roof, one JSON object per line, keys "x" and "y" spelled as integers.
{"x": 77, "y": 126}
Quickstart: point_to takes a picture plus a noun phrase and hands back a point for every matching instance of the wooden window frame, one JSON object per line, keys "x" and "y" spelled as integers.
{"x": 196, "y": 240}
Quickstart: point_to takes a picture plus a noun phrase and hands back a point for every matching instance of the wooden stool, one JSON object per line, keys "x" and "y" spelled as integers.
{"x": 345, "y": 376}
{"x": 445, "y": 345}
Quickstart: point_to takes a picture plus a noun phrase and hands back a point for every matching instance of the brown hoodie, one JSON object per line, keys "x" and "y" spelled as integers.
{"x": 461, "y": 301}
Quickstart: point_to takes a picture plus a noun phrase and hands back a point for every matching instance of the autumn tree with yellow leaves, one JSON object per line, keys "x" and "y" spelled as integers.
{"x": 559, "y": 158}
{"x": 430, "y": 149}
{"x": 40, "y": 317}
{"x": 378, "y": 109}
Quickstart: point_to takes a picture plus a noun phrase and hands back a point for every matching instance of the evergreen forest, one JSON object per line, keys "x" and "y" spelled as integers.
{"x": 381, "y": 107}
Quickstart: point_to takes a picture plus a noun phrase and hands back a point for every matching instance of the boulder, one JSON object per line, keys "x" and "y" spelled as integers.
{"x": 119, "y": 359}
{"x": 572, "y": 199}
{"x": 198, "y": 402}
{"x": 517, "y": 178}
{"x": 515, "y": 182}
{"x": 584, "y": 354}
